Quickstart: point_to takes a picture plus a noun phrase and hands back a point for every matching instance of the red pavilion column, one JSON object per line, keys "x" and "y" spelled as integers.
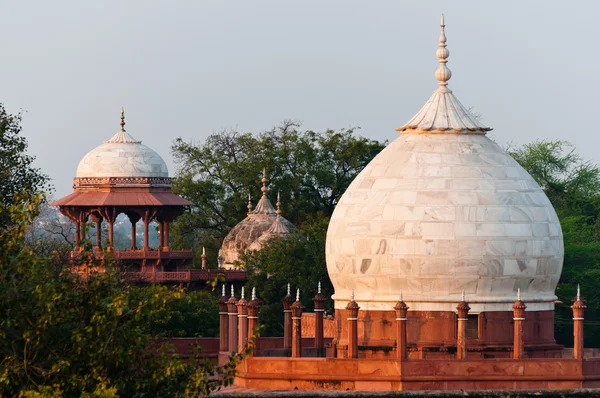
{"x": 110, "y": 215}
{"x": 166, "y": 240}
{"x": 232, "y": 314}
{"x": 518, "y": 318}
{"x": 98, "y": 220}
{"x": 352, "y": 313}
{"x": 223, "y": 323}
{"x": 161, "y": 234}
{"x": 461, "y": 338}
{"x": 253, "y": 324}
{"x": 401, "y": 346}
{"x": 133, "y": 219}
{"x": 319, "y": 299}
{"x": 77, "y": 233}
{"x": 242, "y": 309}
{"x": 287, "y": 319}
{"x": 578, "y": 308}
{"x": 297, "y": 308}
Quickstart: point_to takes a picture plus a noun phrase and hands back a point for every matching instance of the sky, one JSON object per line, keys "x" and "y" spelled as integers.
{"x": 190, "y": 68}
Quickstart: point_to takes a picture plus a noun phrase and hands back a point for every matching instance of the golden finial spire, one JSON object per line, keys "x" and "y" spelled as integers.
{"x": 264, "y": 182}
{"x": 278, "y": 204}
{"x": 122, "y": 119}
{"x": 249, "y": 203}
{"x": 443, "y": 74}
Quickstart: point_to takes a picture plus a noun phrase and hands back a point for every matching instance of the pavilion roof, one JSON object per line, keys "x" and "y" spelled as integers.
{"x": 122, "y": 199}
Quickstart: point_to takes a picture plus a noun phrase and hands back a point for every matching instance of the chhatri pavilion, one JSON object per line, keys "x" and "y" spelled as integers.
{"x": 123, "y": 176}
{"x": 444, "y": 254}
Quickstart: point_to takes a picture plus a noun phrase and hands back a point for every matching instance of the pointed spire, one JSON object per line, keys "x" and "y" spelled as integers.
{"x": 223, "y": 290}
{"x": 401, "y": 295}
{"x": 249, "y": 203}
{"x": 243, "y": 293}
{"x": 352, "y": 295}
{"x": 298, "y": 294}
{"x": 319, "y": 288}
{"x": 254, "y": 293}
{"x": 122, "y": 119}
{"x": 278, "y": 204}
{"x": 464, "y": 298}
{"x": 203, "y": 251}
{"x": 289, "y": 291}
{"x": 519, "y": 294}
{"x": 578, "y": 293}
{"x": 264, "y": 182}
{"x": 443, "y": 74}
{"x": 232, "y": 293}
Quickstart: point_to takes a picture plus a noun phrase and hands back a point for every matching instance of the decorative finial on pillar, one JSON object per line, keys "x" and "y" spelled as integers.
{"x": 319, "y": 288}
{"x": 232, "y": 293}
{"x": 289, "y": 291}
{"x": 254, "y": 293}
{"x": 352, "y": 295}
{"x": 464, "y": 298}
{"x": 519, "y": 294}
{"x": 443, "y": 74}
{"x": 401, "y": 295}
{"x": 203, "y": 251}
{"x": 264, "y": 183}
{"x": 223, "y": 290}
{"x": 578, "y": 293}
{"x": 122, "y": 119}
{"x": 249, "y": 203}
{"x": 298, "y": 294}
{"x": 243, "y": 293}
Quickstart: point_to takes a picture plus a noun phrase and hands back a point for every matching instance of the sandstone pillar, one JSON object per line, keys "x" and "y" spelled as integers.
{"x": 518, "y": 318}
{"x": 352, "y": 317}
{"x": 232, "y": 314}
{"x": 461, "y": 335}
{"x": 133, "y": 219}
{"x": 98, "y": 220}
{"x": 578, "y": 308}
{"x": 253, "y": 324}
{"x": 242, "y": 309}
{"x": 297, "y": 308}
{"x": 77, "y": 234}
{"x": 287, "y": 319}
{"x": 319, "y": 299}
{"x": 223, "y": 323}
{"x": 401, "y": 345}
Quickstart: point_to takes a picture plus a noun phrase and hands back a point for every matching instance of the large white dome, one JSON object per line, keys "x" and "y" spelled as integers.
{"x": 122, "y": 156}
{"x": 442, "y": 210}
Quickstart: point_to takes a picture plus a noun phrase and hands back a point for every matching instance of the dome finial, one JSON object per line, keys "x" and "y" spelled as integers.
{"x": 264, "y": 182}
{"x": 278, "y": 204}
{"x": 122, "y": 119}
{"x": 249, "y": 203}
{"x": 443, "y": 74}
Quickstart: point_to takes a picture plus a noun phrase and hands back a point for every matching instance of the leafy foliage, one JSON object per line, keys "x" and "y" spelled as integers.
{"x": 16, "y": 167}
{"x": 311, "y": 170}
{"x": 64, "y": 335}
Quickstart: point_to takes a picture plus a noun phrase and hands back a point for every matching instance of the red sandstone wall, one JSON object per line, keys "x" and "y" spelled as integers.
{"x": 308, "y": 325}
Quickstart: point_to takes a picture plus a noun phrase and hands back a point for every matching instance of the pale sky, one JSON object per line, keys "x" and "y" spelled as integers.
{"x": 189, "y": 68}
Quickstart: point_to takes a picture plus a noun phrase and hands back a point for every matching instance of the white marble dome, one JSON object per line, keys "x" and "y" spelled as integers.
{"x": 122, "y": 156}
{"x": 442, "y": 210}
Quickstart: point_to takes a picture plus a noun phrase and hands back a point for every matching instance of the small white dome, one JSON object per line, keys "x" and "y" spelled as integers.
{"x": 122, "y": 156}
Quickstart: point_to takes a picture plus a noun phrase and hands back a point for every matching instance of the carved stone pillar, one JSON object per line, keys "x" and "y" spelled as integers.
{"x": 223, "y": 323}
{"x": 352, "y": 318}
{"x": 98, "y": 220}
{"x": 297, "y": 308}
{"x": 401, "y": 345}
{"x": 242, "y": 309}
{"x": 233, "y": 327}
{"x": 161, "y": 234}
{"x": 287, "y": 319}
{"x": 319, "y": 299}
{"x": 578, "y": 308}
{"x": 253, "y": 321}
{"x": 110, "y": 215}
{"x": 518, "y": 318}
{"x": 166, "y": 240}
{"x": 149, "y": 215}
{"x": 461, "y": 336}
{"x": 133, "y": 219}
{"x": 77, "y": 233}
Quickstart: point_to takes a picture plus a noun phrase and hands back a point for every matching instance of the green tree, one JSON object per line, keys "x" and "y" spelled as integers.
{"x": 310, "y": 169}
{"x": 71, "y": 336}
{"x": 17, "y": 173}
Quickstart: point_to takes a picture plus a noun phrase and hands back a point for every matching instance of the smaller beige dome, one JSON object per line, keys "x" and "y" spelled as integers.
{"x": 122, "y": 156}
{"x": 280, "y": 228}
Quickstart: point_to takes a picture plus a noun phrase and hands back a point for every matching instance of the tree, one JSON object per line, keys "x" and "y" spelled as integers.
{"x": 310, "y": 169}
{"x": 65, "y": 335}
{"x": 16, "y": 167}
